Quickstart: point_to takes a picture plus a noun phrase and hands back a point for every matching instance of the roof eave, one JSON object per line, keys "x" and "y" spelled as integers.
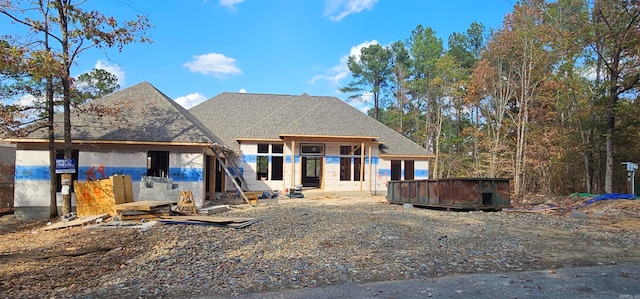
{"x": 123, "y": 142}
{"x": 412, "y": 157}
{"x": 304, "y": 137}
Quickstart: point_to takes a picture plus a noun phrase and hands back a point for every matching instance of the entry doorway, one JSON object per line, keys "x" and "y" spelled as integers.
{"x": 311, "y": 171}
{"x": 214, "y": 177}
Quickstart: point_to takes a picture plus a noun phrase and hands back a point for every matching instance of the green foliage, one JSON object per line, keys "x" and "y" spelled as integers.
{"x": 95, "y": 84}
{"x": 370, "y": 72}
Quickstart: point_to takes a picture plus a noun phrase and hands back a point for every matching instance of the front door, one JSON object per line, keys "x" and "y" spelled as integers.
{"x": 311, "y": 171}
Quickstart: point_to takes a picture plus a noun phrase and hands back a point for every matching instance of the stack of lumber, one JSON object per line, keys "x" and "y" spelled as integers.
{"x": 230, "y": 222}
{"x": 100, "y": 197}
{"x": 82, "y": 221}
{"x": 146, "y": 209}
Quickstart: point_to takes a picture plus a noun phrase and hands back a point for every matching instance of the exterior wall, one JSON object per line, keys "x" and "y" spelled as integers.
{"x": 31, "y": 191}
{"x": 31, "y": 195}
{"x": 248, "y": 169}
{"x": 331, "y": 171}
{"x": 421, "y": 170}
{"x": 7, "y": 172}
{"x": 187, "y": 170}
{"x": 103, "y": 164}
{"x": 376, "y": 174}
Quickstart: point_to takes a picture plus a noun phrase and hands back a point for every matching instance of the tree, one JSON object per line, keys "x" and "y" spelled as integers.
{"x": 399, "y": 81}
{"x": 95, "y": 84}
{"x": 523, "y": 42}
{"x": 447, "y": 90}
{"x": 425, "y": 48}
{"x": 578, "y": 99}
{"x": 616, "y": 42}
{"x": 73, "y": 30}
{"x": 371, "y": 73}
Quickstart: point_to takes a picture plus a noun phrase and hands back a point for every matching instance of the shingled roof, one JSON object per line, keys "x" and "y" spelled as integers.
{"x": 140, "y": 113}
{"x": 235, "y": 116}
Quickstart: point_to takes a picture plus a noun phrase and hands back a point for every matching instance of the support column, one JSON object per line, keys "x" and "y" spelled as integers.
{"x": 361, "y": 164}
{"x": 370, "y": 167}
{"x": 293, "y": 163}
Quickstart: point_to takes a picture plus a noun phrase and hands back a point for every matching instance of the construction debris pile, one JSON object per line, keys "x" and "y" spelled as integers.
{"x": 580, "y": 205}
{"x": 102, "y": 202}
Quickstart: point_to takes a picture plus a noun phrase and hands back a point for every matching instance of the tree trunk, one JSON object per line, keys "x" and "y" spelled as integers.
{"x": 53, "y": 206}
{"x": 66, "y": 90}
{"x": 608, "y": 174}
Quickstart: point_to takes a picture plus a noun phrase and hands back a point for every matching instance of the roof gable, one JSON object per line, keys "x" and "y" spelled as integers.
{"x": 140, "y": 113}
{"x": 266, "y": 116}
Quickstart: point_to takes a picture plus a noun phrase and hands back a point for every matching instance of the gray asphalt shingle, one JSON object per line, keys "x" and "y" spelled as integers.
{"x": 245, "y": 115}
{"x": 139, "y": 113}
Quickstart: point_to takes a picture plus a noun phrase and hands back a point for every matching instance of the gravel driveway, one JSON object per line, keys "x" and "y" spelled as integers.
{"x": 300, "y": 243}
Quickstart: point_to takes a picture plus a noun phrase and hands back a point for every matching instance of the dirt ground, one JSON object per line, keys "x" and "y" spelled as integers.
{"x": 61, "y": 263}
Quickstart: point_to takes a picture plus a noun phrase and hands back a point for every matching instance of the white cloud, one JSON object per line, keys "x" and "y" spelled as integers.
{"x": 242, "y": 90}
{"x": 339, "y": 9}
{"x": 230, "y": 3}
{"x": 215, "y": 63}
{"x": 28, "y": 101}
{"x": 334, "y": 74}
{"x": 190, "y": 100}
{"x": 590, "y": 73}
{"x": 114, "y": 69}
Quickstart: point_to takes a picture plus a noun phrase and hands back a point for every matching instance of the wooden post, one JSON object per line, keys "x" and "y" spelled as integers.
{"x": 361, "y": 164}
{"x": 293, "y": 163}
{"x": 370, "y": 167}
{"x": 66, "y": 181}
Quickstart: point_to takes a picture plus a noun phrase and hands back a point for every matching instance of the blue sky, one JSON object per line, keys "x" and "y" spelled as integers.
{"x": 203, "y": 47}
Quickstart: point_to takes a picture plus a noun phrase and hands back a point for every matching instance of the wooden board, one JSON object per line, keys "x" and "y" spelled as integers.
{"x": 159, "y": 210}
{"x": 213, "y": 219}
{"x": 144, "y": 205}
{"x": 168, "y": 220}
{"x": 98, "y": 197}
{"x": 76, "y": 222}
{"x": 128, "y": 188}
{"x": 147, "y": 216}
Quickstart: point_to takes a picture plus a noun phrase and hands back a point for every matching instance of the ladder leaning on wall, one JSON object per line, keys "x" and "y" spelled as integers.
{"x": 230, "y": 158}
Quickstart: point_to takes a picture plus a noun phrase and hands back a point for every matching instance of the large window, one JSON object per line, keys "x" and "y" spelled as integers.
{"x": 277, "y": 162}
{"x": 356, "y": 169}
{"x": 277, "y": 168}
{"x": 345, "y": 163}
{"x": 350, "y": 163}
{"x": 262, "y": 168}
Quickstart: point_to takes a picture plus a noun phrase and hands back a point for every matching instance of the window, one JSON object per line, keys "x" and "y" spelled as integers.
{"x": 396, "y": 170}
{"x": 409, "y": 170}
{"x": 356, "y": 169}
{"x": 158, "y": 163}
{"x": 345, "y": 169}
{"x": 312, "y": 149}
{"x": 262, "y": 168}
{"x": 350, "y": 164}
{"x": 277, "y": 167}
{"x": 263, "y": 148}
{"x": 345, "y": 150}
{"x": 277, "y": 149}
{"x": 345, "y": 163}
